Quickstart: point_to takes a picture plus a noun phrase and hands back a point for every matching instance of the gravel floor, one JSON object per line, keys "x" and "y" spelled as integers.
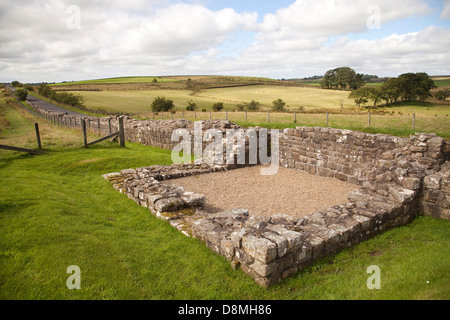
{"x": 289, "y": 192}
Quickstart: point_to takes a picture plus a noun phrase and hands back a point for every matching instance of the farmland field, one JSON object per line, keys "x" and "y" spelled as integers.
{"x": 139, "y": 101}
{"x": 134, "y": 95}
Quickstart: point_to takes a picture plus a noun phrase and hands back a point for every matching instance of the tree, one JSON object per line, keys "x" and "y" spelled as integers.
{"x": 361, "y": 96}
{"x": 21, "y": 94}
{"x": 329, "y": 79}
{"x": 217, "y": 106}
{"x": 28, "y": 87}
{"x": 356, "y": 82}
{"x": 16, "y": 84}
{"x": 278, "y": 105}
{"x": 442, "y": 95}
{"x": 45, "y": 91}
{"x": 161, "y": 104}
{"x": 253, "y": 106}
{"x": 341, "y": 78}
{"x": 391, "y": 90}
{"x": 416, "y": 86}
{"x": 192, "y": 106}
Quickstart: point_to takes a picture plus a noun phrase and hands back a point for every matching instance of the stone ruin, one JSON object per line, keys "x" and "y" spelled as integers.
{"x": 395, "y": 179}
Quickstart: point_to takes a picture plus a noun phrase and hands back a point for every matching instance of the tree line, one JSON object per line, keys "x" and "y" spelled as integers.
{"x": 67, "y": 98}
{"x": 405, "y": 88}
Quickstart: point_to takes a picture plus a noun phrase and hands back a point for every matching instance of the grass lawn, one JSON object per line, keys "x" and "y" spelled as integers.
{"x": 56, "y": 210}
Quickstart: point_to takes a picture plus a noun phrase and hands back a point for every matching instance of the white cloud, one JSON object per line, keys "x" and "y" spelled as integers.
{"x": 445, "y": 14}
{"x": 139, "y": 37}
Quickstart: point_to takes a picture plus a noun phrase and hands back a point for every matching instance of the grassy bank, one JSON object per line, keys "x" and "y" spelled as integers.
{"x": 57, "y": 211}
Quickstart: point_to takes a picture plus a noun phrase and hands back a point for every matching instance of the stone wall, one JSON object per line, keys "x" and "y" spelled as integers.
{"x": 266, "y": 249}
{"x": 435, "y": 197}
{"x": 362, "y": 158}
{"x": 395, "y": 179}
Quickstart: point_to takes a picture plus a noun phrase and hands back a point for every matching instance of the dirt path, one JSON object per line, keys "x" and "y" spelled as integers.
{"x": 289, "y": 192}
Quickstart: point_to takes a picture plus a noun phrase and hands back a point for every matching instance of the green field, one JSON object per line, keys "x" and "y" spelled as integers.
{"x": 164, "y": 79}
{"x": 139, "y": 101}
{"x": 311, "y": 105}
{"x": 56, "y": 210}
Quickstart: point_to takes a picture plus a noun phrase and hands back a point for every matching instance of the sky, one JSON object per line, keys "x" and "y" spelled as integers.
{"x": 59, "y": 40}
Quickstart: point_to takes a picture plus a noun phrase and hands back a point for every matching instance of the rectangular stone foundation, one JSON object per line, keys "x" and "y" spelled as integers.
{"x": 268, "y": 249}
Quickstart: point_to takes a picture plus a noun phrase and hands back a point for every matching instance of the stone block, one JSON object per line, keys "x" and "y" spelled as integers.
{"x": 193, "y": 200}
{"x": 237, "y": 235}
{"x": 432, "y": 182}
{"x": 264, "y": 270}
{"x": 401, "y": 195}
{"x": 227, "y": 247}
{"x": 431, "y": 195}
{"x": 358, "y": 195}
{"x": 410, "y": 183}
{"x": 431, "y": 210}
{"x": 281, "y": 242}
{"x": 259, "y": 248}
{"x": 169, "y": 204}
{"x": 341, "y": 176}
{"x": 293, "y": 238}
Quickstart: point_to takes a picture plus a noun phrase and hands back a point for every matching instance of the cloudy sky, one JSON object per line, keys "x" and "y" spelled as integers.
{"x": 57, "y": 40}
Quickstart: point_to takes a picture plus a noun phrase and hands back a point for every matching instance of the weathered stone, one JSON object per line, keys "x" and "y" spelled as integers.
{"x": 169, "y": 205}
{"x": 263, "y": 269}
{"x": 431, "y": 195}
{"x": 364, "y": 221}
{"x": 410, "y": 183}
{"x": 259, "y": 248}
{"x": 193, "y": 200}
{"x": 237, "y": 235}
{"x": 255, "y": 223}
{"x": 432, "y": 182}
{"x": 293, "y": 238}
{"x": 227, "y": 247}
{"x": 401, "y": 195}
{"x": 281, "y": 242}
{"x": 358, "y": 195}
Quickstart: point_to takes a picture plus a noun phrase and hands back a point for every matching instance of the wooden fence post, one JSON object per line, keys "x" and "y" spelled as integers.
{"x": 268, "y": 116}
{"x": 121, "y": 133}
{"x": 245, "y": 116}
{"x": 328, "y": 118}
{"x": 83, "y": 125}
{"x": 370, "y": 118}
{"x": 38, "y": 136}
{"x": 414, "y": 122}
{"x": 99, "y": 130}
{"x": 295, "y": 117}
{"x": 109, "y": 125}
